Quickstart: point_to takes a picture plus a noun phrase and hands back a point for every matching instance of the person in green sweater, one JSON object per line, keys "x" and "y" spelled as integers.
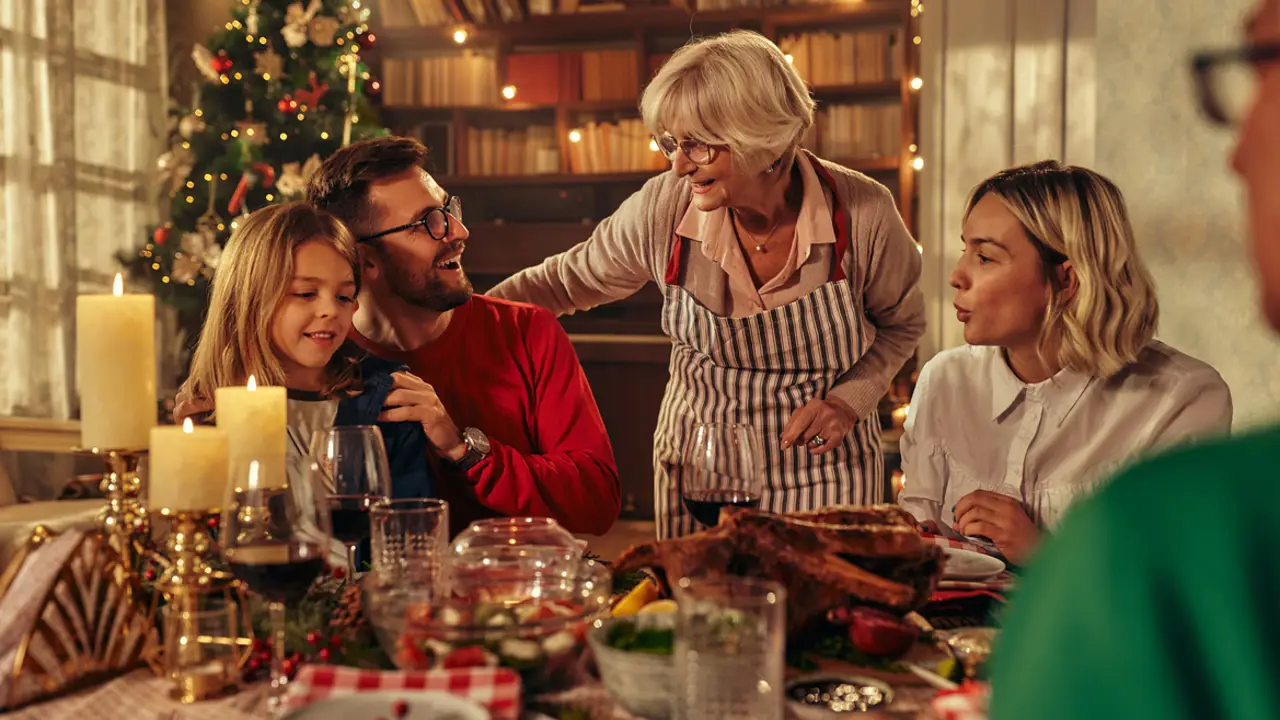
{"x": 1123, "y": 617}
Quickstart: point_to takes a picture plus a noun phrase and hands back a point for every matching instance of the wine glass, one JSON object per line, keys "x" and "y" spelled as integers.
{"x": 275, "y": 538}
{"x": 722, "y": 466}
{"x": 351, "y": 473}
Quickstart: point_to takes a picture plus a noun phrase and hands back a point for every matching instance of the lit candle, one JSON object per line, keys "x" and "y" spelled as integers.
{"x": 256, "y": 422}
{"x": 116, "y": 368}
{"x": 188, "y": 468}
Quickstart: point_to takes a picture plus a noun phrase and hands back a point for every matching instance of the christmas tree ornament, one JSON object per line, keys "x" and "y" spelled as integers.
{"x": 221, "y": 63}
{"x": 190, "y": 125}
{"x": 294, "y": 176}
{"x": 296, "y": 21}
{"x": 251, "y": 132}
{"x": 323, "y": 29}
{"x": 203, "y": 59}
{"x": 185, "y": 268}
{"x": 258, "y": 174}
{"x": 287, "y": 105}
{"x": 161, "y": 235}
{"x": 173, "y": 167}
{"x": 251, "y": 19}
{"x": 268, "y": 62}
{"x": 310, "y": 99}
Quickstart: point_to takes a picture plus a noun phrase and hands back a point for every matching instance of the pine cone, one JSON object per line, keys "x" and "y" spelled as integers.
{"x": 349, "y": 614}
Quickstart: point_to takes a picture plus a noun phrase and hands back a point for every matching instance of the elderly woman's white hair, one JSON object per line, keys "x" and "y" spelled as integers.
{"x": 735, "y": 89}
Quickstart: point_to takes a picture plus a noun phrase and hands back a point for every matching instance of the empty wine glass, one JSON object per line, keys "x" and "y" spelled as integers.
{"x": 351, "y": 474}
{"x": 275, "y": 537}
{"x": 722, "y": 466}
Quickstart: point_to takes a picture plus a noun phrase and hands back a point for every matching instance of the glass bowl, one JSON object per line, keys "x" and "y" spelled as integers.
{"x": 535, "y": 624}
{"x": 498, "y": 558}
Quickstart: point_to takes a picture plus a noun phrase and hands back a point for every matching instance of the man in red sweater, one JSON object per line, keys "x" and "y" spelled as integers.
{"x": 497, "y": 385}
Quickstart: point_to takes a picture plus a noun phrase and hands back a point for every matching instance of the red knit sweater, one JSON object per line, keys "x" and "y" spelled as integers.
{"x": 510, "y": 370}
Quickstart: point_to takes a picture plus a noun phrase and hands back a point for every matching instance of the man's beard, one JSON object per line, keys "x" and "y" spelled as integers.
{"x": 428, "y": 291}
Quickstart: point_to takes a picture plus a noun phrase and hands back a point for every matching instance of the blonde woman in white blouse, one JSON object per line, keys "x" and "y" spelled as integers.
{"x": 1061, "y": 380}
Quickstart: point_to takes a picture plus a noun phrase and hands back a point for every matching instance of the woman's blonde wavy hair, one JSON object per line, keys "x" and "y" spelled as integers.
{"x": 1073, "y": 213}
{"x": 251, "y": 279}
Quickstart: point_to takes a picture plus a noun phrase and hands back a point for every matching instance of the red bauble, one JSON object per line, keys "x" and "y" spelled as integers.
{"x": 221, "y": 63}
{"x": 161, "y": 235}
{"x": 287, "y": 104}
{"x": 313, "y": 637}
{"x": 335, "y": 642}
{"x": 149, "y": 575}
{"x": 324, "y": 655}
{"x": 213, "y": 522}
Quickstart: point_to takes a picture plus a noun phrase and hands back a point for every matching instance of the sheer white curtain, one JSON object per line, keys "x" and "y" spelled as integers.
{"x": 82, "y": 120}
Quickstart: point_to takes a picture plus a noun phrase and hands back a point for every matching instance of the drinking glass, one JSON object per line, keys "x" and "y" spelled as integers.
{"x": 275, "y": 537}
{"x": 730, "y": 647}
{"x": 351, "y": 470}
{"x": 722, "y": 466}
{"x": 410, "y": 542}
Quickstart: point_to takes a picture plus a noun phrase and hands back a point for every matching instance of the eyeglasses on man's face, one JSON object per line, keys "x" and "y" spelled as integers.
{"x": 435, "y": 221}
{"x": 699, "y": 153}
{"x": 1227, "y": 80}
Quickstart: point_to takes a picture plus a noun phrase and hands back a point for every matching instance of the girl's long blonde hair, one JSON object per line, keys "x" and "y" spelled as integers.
{"x": 1073, "y": 213}
{"x": 250, "y": 281}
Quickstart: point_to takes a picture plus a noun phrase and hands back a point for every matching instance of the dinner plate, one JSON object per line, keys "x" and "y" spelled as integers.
{"x": 419, "y": 705}
{"x": 969, "y": 565}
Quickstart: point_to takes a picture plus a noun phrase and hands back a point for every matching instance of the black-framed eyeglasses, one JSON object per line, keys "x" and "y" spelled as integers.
{"x": 435, "y": 220}
{"x": 698, "y": 152}
{"x": 1226, "y": 79}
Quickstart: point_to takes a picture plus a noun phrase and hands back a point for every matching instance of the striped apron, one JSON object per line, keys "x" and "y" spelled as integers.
{"x": 757, "y": 371}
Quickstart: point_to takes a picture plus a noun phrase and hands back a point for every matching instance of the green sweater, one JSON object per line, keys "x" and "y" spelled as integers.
{"x": 1158, "y": 598}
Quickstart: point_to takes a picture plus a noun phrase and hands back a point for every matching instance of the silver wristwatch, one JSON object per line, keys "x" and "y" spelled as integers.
{"x": 477, "y": 448}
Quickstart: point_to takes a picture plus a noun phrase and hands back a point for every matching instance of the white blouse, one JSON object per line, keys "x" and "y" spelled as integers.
{"x": 973, "y": 425}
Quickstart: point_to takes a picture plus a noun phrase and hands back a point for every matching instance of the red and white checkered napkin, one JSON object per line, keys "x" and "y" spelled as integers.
{"x": 497, "y": 689}
{"x": 969, "y": 702}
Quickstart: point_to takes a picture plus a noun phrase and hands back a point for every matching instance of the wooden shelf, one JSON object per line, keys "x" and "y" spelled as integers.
{"x": 886, "y": 90}
{"x": 452, "y": 181}
{"x": 624, "y": 23}
{"x": 430, "y": 111}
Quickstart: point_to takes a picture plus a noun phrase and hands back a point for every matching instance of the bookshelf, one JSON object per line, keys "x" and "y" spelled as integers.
{"x": 539, "y": 165}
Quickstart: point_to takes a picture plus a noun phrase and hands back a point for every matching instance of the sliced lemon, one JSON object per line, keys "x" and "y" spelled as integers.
{"x": 641, "y": 595}
{"x": 658, "y": 607}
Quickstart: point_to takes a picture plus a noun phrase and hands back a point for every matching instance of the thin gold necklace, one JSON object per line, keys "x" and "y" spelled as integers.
{"x": 760, "y": 246}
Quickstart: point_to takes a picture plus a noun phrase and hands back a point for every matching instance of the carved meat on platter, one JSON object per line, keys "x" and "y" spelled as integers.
{"x": 830, "y": 558}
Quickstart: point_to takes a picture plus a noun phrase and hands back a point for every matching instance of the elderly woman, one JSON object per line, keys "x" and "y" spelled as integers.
{"x": 1061, "y": 380}
{"x": 789, "y": 281}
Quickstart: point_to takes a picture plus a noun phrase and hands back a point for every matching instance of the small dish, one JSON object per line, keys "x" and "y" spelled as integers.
{"x": 969, "y": 565}
{"x": 826, "y": 696}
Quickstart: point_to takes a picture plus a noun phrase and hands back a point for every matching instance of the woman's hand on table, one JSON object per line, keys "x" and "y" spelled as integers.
{"x": 827, "y": 418}
{"x": 999, "y": 518}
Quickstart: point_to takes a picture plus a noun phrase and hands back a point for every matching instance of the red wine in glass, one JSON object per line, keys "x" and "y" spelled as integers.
{"x": 705, "y": 505}
{"x": 349, "y": 515}
{"x": 279, "y": 572}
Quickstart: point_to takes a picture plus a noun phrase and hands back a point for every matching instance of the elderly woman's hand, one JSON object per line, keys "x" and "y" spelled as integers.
{"x": 821, "y": 424}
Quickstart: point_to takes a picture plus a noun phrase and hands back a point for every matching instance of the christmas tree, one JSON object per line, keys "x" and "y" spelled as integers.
{"x": 285, "y": 87}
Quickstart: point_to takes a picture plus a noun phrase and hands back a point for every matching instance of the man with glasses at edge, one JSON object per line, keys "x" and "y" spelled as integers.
{"x": 1157, "y": 599}
{"x": 789, "y": 282}
{"x": 496, "y": 385}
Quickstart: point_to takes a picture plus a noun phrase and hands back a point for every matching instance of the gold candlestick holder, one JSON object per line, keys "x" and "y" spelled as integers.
{"x": 124, "y": 518}
{"x": 207, "y": 626}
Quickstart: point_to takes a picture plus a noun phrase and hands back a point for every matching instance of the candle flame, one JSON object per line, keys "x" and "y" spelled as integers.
{"x": 253, "y": 384}
{"x": 253, "y": 473}
{"x": 188, "y": 426}
{"x": 117, "y": 288}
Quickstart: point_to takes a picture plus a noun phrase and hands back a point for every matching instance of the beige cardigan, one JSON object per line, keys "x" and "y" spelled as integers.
{"x": 632, "y": 247}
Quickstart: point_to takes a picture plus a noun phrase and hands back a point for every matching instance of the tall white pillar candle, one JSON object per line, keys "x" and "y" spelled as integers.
{"x": 188, "y": 468}
{"x": 116, "y": 368}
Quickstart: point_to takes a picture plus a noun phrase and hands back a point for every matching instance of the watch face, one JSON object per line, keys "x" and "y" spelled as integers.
{"x": 477, "y": 440}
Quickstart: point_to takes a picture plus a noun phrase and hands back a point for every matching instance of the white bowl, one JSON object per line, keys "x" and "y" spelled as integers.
{"x": 640, "y": 682}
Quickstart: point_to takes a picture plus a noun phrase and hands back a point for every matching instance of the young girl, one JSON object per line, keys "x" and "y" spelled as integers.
{"x": 281, "y": 307}
{"x": 1062, "y": 379}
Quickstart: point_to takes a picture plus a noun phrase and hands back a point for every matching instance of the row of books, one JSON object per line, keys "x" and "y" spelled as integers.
{"x": 846, "y": 58}
{"x": 428, "y": 13}
{"x": 856, "y": 131}
{"x": 469, "y": 79}
{"x": 528, "y": 151}
{"x": 624, "y": 146}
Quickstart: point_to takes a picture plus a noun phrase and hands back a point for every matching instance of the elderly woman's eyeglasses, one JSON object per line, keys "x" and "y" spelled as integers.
{"x": 435, "y": 221}
{"x": 1226, "y": 80}
{"x": 699, "y": 153}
